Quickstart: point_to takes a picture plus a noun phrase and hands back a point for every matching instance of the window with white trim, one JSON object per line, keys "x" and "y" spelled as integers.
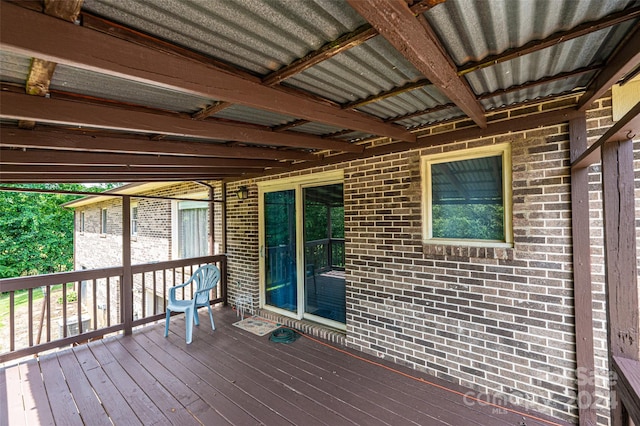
{"x": 134, "y": 219}
{"x": 103, "y": 221}
{"x": 192, "y": 229}
{"x": 467, "y": 197}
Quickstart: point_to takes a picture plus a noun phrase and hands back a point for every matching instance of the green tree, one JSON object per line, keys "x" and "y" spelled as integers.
{"x": 36, "y": 233}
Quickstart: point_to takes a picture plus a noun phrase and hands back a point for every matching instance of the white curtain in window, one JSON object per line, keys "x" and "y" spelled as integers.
{"x": 192, "y": 229}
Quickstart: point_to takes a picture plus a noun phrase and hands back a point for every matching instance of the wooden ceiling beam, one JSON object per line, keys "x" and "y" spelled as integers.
{"x": 552, "y": 40}
{"x": 289, "y": 125}
{"x": 21, "y": 107}
{"x": 330, "y": 49}
{"x": 94, "y": 169}
{"x": 211, "y": 110}
{"x": 394, "y": 21}
{"x": 70, "y": 140}
{"x": 104, "y": 178}
{"x": 623, "y": 61}
{"x": 627, "y": 128}
{"x": 31, "y": 34}
{"x": 52, "y": 157}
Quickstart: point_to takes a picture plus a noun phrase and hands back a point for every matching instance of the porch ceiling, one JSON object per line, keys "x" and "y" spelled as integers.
{"x": 203, "y": 90}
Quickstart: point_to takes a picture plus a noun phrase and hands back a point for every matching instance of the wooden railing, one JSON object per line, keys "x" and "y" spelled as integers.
{"x": 55, "y": 310}
{"x": 627, "y": 387}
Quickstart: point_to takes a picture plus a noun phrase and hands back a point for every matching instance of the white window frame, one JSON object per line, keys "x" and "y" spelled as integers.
{"x": 134, "y": 219}
{"x": 174, "y": 221}
{"x": 103, "y": 221}
{"x": 502, "y": 150}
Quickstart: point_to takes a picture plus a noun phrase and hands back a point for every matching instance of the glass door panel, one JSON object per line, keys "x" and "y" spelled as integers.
{"x": 280, "y": 250}
{"x": 324, "y": 283}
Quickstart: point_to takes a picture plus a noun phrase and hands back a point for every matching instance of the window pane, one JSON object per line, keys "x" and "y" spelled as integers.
{"x": 467, "y": 199}
{"x": 193, "y": 239}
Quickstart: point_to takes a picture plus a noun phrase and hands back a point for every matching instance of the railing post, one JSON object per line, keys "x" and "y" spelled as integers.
{"x": 127, "y": 278}
{"x": 620, "y": 260}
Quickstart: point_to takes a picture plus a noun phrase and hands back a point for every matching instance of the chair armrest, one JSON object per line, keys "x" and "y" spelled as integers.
{"x": 172, "y": 290}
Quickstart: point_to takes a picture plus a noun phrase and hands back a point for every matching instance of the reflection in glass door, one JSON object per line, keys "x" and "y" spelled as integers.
{"x": 280, "y": 250}
{"x": 324, "y": 284}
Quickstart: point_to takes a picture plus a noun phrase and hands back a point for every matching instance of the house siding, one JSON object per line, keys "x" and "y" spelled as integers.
{"x": 498, "y": 320}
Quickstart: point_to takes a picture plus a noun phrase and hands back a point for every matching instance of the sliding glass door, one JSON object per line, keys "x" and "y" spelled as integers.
{"x": 279, "y": 250}
{"x": 324, "y": 284}
{"x": 302, "y": 249}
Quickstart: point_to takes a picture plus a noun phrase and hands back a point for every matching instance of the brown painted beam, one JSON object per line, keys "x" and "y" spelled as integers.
{"x": 45, "y": 157}
{"x": 31, "y": 34}
{"x": 628, "y": 127}
{"x": 346, "y": 41}
{"x": 290, "y": 125}
{"x": 582, "y": 285}
{"x": 66, "y": 169}
{"x": 211, "y": 110}
{"x": 621, "y": 275}
{"x": 552, "y": 40}
{"x": 22, "y": 107}
{"x": 624, "y": 60}
{"x": 394, "y": 21}
{"x": 107, "y": 177}
{"x": 76, "y": 141}
{"x": 516, "y": 124}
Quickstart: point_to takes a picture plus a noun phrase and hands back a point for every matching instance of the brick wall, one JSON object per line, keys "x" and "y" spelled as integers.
{"x": 497, "y": 320}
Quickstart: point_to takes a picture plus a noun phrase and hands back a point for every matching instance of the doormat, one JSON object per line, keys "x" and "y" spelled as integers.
{"x": 257, "y": 325}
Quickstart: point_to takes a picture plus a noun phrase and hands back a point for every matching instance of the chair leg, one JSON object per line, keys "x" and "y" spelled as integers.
{"x": 196, "y": 318}
{"x": 213, "y": 326}
{"x": 189, "y": 320}
{"x": 166, "y": 323}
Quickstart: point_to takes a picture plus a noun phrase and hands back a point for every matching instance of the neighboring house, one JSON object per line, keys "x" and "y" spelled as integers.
{"x": 161, "y": 229}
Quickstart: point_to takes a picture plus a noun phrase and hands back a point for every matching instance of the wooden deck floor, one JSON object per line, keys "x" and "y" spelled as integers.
{"x": 227, "y": 377}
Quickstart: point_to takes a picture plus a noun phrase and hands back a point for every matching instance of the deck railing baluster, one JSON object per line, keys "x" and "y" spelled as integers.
{"x": 25, "y": 321}
{"x": 108, "y": 307}
{"x": 48, "y": 311}
{"x": 12, "y": 322}
{"x": 79, "y": 306}
{"x": 30, "y": 317}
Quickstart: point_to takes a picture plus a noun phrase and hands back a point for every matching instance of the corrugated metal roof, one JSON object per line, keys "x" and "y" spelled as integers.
{"x": 260, "y": 36}
{"x": 406, "y": 103}
{"x": 471, "y": 30}
{"x": 317, "y": 129}
{"x": 434, "y": 117}
{"x": 253, "y": 116}
{"x": 74, "y": 80}
{"x": 365, "y": 70}
{"x": 14, "y": 68}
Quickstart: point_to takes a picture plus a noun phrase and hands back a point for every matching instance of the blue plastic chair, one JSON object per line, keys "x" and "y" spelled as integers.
{"x": 206, "y": 279}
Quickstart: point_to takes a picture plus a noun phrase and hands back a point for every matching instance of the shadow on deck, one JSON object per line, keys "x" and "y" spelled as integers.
{"x": 231, "y": 377}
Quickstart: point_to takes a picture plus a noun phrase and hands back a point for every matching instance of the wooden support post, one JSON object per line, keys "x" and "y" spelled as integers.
{"x": 585, "y": 361}
{"x": 212, "y": 221}
{"x": 223, "y": 226}
{"x": 127, "y": 278}
{"x": 620, "y": 260}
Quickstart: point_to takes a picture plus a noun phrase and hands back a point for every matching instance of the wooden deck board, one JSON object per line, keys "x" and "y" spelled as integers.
{"x": 60, "y": 399}
{"x": 115, "y": 404}
{"x": 31, "y": 379}
{"x": 80, "y": 388}
{"x": 229, "y": 376}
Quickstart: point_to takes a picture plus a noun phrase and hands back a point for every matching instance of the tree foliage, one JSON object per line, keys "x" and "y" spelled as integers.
{"x": 36, "y": 233}
{"x": 468, "y": 221}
